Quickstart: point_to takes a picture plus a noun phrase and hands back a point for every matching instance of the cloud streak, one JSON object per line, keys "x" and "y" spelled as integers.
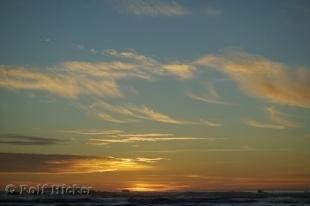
{"x": 21, "y": 78}
{"x": 62, "y": 81}
{"x": 254, "y": 123}
{"x": 211, "y": 123}
{"x": 23, "y": 140}
{"x": 144, "y": 137}
{"x": 93, "y": 132}
{"x": 57, "y": 164}
{"x": 129, "y": 113}
{"x": 210, "y": 95}
{"x": 149, "y": 66}
{"x": 255, "y": 75}
{"x": 153, "y": 8}
{"x": 277, "y": 120}
{"x": 264, "y": 78}
{"x": 73, "y": 79}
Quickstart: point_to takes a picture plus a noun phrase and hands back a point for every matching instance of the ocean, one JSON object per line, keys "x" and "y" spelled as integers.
{"x": 162, "y": 199}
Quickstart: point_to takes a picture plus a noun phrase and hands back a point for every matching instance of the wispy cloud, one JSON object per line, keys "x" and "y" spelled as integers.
{"x": 78, "y": 46}
{"x": 104, "y": 137}
{"x": 144, "y": 137}
{"x": 215, "y": 150}
{"x": 76, "y": 78}
{"x": 29, "y": 79}
{"x": 148, "y": 113}
{"x": 24, "y": 140}
{"x": 129, "y": 113}
{"x": 150, "y": 160}
{"x": 257, "y": 124}
{"x": 65, "y": 82}
{"x": 183, "y": 71}
{"x": 93, "y": 132}
{"x": 261, "y": 77}
{"x": 149, "y": 66}
{"x": 52, "y": 163}
{"x": 153, "y": 8}
{"x": 46, "y": 40}
{"x": 210, "y": 95}
{"x": 93, "y": 51}
{"x": 255, "y": 75}
{"x": 206, "y": 98}
{"x": 277, "y": 120}
{"x": 281, "y": 118}
{"x": 211, "y": 123}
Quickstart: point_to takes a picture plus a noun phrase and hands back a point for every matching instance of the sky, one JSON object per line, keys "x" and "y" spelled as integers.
{"x": 155, "y": 95}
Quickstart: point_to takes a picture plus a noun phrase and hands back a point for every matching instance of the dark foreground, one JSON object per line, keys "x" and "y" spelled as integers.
{"x": 173, "y": 199}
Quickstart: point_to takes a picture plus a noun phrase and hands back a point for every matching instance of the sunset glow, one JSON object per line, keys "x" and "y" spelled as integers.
{"x": 155, "y": 95}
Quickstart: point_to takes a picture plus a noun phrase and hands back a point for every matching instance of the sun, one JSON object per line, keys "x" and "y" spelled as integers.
{"x": 152, "y": 187}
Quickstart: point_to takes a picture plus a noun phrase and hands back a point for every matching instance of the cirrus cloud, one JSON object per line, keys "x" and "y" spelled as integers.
{"x": 73, "y": 79}
{"x": 277, "y": 120}
{"x": 264, "y": 78}
{"x": 59, "y": 163}
{"x": 153, "y": 8}
{"x": 140, "y": 137}
{"x": 27, "y": 140}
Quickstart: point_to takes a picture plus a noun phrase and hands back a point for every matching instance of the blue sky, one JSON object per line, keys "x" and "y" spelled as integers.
{"x": 159, "y": 80}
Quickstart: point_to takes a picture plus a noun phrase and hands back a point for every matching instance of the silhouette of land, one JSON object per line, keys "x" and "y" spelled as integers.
{"x": 162, "y": 198}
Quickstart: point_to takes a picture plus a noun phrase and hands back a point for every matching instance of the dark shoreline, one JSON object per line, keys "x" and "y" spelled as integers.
{"x": 161, "y": 198}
